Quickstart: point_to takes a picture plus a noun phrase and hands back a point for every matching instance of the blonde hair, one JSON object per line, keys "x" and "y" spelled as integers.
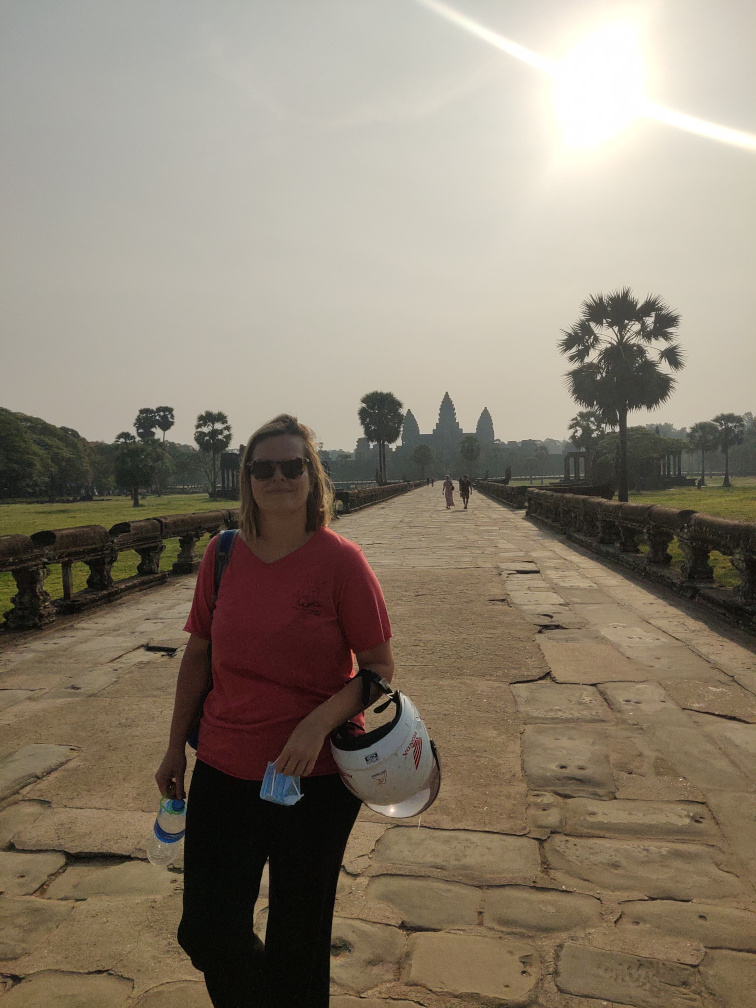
{"x": 320, "y": 497}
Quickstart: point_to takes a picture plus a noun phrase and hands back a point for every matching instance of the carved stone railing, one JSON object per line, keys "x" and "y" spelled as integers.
{"x": 29, "y": 559}
{"x": 354, "y": 500}
{"x": 516, "y": 496}
{"x": 618, "y": 530}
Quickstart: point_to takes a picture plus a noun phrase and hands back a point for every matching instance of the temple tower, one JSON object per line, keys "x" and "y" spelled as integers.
{"x": 410, "y": 431}
{"x": 447, "y": 432}
{"x": 484, "y": 432}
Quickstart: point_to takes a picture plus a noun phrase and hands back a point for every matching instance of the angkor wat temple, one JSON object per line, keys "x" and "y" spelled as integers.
{"x": 447, "y": 433}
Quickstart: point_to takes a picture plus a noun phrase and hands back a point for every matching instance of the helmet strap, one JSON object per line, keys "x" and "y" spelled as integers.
{"x": 369, "y": 679}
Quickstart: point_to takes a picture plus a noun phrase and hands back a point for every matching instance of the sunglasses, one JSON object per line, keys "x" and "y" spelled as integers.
{"x": 291, "y": 468}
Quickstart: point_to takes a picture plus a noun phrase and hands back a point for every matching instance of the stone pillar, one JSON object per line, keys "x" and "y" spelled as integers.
{"x": 744, "y": 562}
{"x": 150, "y": 559}
{"x": 696, "y": 566}
{"x": 100, "y": 570}
{"x": 658, "y": 541}
{"x": 32, "y": 605}
{"x": 185, "y": 561}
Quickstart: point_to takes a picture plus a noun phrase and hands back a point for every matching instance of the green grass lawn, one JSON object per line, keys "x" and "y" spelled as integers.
{"x": 27, "y": 518}
{"x": 737, "y": 503}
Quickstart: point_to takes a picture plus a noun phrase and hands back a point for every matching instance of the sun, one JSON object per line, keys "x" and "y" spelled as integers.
{"x": 599, "y": 86}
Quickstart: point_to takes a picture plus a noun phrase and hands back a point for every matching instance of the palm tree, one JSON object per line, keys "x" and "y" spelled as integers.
{"x": 731, "y": 428}
{"x": 164, "y": 418}
{"x": 584, "y": 428}
{"x": 145, "y": 424}
{"x": 212, "y": 433}
{"x": 469, "y": 448}
{"x": 381, "y": 417}
{"x": 610, "y": 345}
{"x": 704, "y": 436}
{"x": 422, "y": 456}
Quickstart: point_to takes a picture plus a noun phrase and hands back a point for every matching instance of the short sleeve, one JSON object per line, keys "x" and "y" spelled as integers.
{"x": 201, "y": 614}
{"x": 361, "y": 606}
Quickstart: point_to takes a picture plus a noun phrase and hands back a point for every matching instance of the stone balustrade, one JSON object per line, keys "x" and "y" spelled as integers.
{"x": 29, "y": 559}
{"x": 619, "y": 530}
{"x": 514, "y": 496}
{"x": 354, "y": 500}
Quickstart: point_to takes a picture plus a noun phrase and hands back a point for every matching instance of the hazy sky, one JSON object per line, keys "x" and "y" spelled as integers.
{"x": 267, "y": 205}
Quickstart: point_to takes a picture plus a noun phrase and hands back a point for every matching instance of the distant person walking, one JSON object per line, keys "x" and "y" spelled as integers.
{"x": 465, "y": 489}
{"x": 448, "y": 489}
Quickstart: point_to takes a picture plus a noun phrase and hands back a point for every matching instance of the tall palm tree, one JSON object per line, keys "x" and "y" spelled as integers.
{"x": 704, "y": 436}
{"x": 469, "y": 449}
{"x": 381, "y": 417}
{"x": 584, "y": 428}
{"x": 145, "y": 423}
{"x": 164, "y": 418}
{"x": 615, "y": 373}
{"x": 212, "y": 433}
{"x": 731, "y": 427}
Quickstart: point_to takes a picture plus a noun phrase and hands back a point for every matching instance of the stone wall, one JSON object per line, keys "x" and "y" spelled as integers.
{"x": 29, "y": 558}
{"x": 618, "y": 530}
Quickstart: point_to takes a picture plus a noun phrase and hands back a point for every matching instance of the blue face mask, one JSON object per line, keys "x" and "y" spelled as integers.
{"x": 278, "y": 788}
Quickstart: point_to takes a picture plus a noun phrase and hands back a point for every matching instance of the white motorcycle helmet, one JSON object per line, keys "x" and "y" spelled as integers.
{"x": 395, "y": 768}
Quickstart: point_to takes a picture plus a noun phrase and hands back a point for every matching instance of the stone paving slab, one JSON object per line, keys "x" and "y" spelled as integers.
{"x": 555, "y": 702}
{"x": 653, "y": 869}
{"x": 87, "y": 831}
{"x": 731, "y": 977}
{"x": 726, "y": 699}
{"x": 81, "y": 881}
{"x": 521, "y": 908}
{"x": 25, "y": 922}
{"x": 568, "y": 761}
{"x": 483, "y": 858}
{"x": 58, "y": 989}
{"x": 22, "y": 874}
{"x": 587, "y": 661}
{"x": 710, "y": 925}
{"x": 427, "y": 903}
{"x": 738, "y": 740}
{"x": 629, "y": 980}
{"x": 365, "y": 955}
{"x": 181, "y": 994}
{"x": 16, "y": 817}
{"x": 30, "y": 763}
{"x": 467, "y": 964}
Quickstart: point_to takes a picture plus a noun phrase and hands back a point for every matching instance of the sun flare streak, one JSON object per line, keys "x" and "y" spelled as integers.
{"x": 591, "y": 111}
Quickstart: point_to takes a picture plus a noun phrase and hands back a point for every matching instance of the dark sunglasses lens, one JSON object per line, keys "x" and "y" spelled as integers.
{"x": 262, "y": 470}
{"x": 292, "y": 468}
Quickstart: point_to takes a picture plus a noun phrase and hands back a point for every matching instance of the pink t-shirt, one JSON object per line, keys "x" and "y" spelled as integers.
{"x": 283, "y": 635}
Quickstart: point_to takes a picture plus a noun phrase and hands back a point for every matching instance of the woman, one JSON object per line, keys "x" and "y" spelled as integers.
{"x": 448, "y": 489}
{"x": 296, "y": 601}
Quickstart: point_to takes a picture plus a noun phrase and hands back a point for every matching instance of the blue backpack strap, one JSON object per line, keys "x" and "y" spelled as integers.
{"x": 224, "y": 546}
{"x": 226, "y": 542}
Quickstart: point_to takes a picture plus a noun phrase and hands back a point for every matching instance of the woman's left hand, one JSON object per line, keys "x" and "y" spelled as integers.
{"x": 298, "y": 756}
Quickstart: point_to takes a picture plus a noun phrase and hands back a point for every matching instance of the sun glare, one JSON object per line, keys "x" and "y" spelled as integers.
{"x": 599, "y": 86}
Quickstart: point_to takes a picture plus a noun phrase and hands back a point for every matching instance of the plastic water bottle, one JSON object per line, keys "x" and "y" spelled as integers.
{"x": 165, "y": 840}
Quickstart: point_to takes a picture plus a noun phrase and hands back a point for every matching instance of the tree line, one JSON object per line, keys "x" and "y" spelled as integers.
{"x": 39, "y": 459}
{"x": 625, "y": 353}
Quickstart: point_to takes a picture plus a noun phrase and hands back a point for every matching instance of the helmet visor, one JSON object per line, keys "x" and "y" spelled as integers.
{"x": 418, "y": 802}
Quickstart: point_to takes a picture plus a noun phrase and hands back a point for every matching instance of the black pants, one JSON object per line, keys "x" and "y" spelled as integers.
{"x": 230, "y": 834}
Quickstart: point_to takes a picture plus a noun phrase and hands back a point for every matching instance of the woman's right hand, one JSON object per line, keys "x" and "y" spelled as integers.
{"x": 170, "y": 774}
